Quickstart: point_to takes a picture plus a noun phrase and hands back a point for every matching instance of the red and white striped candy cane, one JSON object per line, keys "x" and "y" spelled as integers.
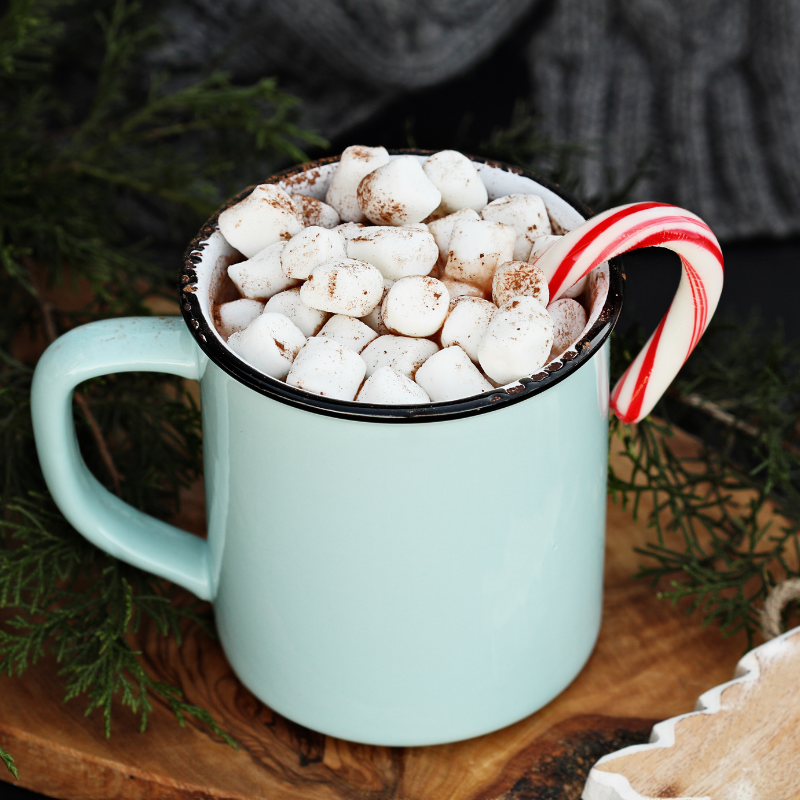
{"x": 630, "y": 227}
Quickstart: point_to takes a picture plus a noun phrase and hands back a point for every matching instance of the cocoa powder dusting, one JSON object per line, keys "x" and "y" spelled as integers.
{"x": 360, "y": 152}
{"x": 280, "y": 203}
{"x": 519, "y": 284}
{"x": 308, "y": 178}
{"x": 308, "y": 208}
{"x": 382, "y": 210}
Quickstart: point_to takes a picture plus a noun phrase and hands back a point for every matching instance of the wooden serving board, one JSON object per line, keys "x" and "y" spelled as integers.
{"x": 743, "y": 741}
{"x": 651, "y": 662}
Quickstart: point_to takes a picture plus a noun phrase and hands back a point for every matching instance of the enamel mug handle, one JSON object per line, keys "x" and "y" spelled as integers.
{"x": 630, "y": 227}
{"x": 142, "y": 344}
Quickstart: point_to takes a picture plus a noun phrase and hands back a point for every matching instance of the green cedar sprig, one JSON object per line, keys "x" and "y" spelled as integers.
{"x": 87, "y": 631}
{"x": 8, "y": 760}
{"x": 713, "y": 549}
{"x": 90, "y": 143}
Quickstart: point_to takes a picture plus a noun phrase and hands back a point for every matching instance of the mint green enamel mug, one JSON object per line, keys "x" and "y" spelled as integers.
{"x": 389, "y": 575}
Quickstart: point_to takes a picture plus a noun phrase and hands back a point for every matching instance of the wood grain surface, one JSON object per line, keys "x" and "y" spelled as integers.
{"x": 651, "y": 662}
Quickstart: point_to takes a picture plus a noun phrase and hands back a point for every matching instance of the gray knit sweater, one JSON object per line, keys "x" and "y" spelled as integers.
{"x": 706, "y": 91}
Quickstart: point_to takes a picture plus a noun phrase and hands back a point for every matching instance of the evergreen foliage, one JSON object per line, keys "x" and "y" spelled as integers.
{"x": 715, "y": 546}
{"x": 8, "y": 760}
{"x": 89, "y": 146}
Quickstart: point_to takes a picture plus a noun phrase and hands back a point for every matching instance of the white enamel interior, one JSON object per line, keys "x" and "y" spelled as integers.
{"x": 218, "y": 255}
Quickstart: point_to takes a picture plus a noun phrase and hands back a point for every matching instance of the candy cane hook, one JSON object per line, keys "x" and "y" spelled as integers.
{"x": 630, "y": 227}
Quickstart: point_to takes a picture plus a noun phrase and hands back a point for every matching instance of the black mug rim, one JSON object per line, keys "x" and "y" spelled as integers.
{"x": 549, "y": 376}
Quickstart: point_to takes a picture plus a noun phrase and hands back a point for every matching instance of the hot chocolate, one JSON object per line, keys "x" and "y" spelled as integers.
{"x": 433, "y": 288}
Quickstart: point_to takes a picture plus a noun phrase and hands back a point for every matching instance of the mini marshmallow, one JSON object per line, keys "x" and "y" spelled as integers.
{"x": 477, "y": 247}
{"x": 396, "y": 252}
{"x": 348, "y": 331}
{"x": 420, "y": 226}
{"x": 569, "y": 320}
{"x": 515, "y": 278}
{"x": 270, "y": 343}
{"x": 291, "y": 305}
{"x": 576, "y": 290}
{"x": 543, "y": 243}
{"x": 348, "y": 229}
{"x": 461, "y": 289}
{"x": 466, "y": 324}
{"x": 314, "y": 212}
{"x": 327, "y": 368}
{"x": 264, "y": 217}
{"x": 388, "y": 387}
{"x": 455, "y": 176}
{"x": 540, "y": 244}
{"x": 261, "y": 276}
{"x": 558, "y": 228}
{"x": 345, "y": 286}
{"x": 415, "y": 306}
{"x": 310, "y": 248}
{"x": 525, "y": 213}
{"x": 237, "y": 315}
{"x": 442, "y": 229}
{"x": 373, "y": 319}
{"x": 397, "y": 193}
{"x": 450, "y": 375}
{"x": 401, "y": 353}
{"x": 355, "y": 164}
{"x": 517, "y": 341}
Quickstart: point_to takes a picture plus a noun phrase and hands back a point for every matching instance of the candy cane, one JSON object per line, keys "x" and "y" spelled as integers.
{"x": 630, "y": 227}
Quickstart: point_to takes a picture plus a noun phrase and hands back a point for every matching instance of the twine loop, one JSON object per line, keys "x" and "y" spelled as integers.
{"x": 779, "y": 597}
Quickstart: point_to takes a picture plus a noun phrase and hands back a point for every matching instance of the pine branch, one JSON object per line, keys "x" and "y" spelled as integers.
{"x": 71, "y": 173}
{"x": 711, "y": 549}
{"x": 86, "y": 630}
{"x": 127, "y": 181}
{"x": 8, "y": 760}
{"x": 27, "y": 33}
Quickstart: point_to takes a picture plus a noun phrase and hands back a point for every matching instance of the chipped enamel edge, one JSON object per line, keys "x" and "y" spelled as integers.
{"x": 602, "y": 785}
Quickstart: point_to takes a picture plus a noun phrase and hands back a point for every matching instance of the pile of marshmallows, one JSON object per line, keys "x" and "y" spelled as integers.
{"x": 435, "y": 301}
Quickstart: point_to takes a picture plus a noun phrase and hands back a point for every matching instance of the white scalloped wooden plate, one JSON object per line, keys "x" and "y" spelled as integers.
{"x": 741, "y": 743}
